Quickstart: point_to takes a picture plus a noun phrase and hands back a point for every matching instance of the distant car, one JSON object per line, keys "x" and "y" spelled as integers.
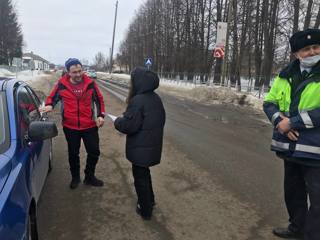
{"x": 91, "y": 74}
{"x": 25, "y": 159}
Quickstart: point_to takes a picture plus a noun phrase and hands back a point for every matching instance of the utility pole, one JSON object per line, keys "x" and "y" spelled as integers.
{"x": 114, "y": 31}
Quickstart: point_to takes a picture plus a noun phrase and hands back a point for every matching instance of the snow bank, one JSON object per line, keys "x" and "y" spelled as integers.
{"x": 210, "y": 94}
{"x": 26, "y": 76}
{"x": 201, "y": 93}
{"x": 30, "y": 76}
{"x": 122, "y": 78}
{"x": 177, "y": 84}
{"x": 6, "y": 73}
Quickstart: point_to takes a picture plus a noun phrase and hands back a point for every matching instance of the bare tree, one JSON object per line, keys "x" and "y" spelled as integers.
{"x": 317, "y": 22}
{"x": 179, "y": 36}
{"x": 296, "y": 7}
{"x": 100, "y": 62}
{"x": 308, "y": 15}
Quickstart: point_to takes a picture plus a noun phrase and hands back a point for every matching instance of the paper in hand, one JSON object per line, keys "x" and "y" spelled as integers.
{"x": 113, "y": 117}
{"x": 41, "y": 107}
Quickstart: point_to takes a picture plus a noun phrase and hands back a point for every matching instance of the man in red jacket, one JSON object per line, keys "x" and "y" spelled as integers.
{"x": 82, "y": 110}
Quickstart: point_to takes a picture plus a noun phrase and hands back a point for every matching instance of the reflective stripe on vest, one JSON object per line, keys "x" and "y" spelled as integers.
{"x": 308, "y": 149}
{"x": 281, "y": 145}
{"x": 299, "y": 147}
{"x": 306, "y": 119}
{"x": 274, "y": 117}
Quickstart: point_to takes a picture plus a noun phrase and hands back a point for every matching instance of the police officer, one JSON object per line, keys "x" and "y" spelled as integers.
{"x": 293, "y": 107}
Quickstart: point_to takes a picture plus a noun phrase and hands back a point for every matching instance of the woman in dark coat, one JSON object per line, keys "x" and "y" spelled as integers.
{"x": 143, "y": 122}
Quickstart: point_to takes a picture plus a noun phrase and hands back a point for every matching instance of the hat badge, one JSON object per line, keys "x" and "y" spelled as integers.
{"x": 309, "y": 37}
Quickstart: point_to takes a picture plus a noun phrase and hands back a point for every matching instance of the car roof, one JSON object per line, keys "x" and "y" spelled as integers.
{"x": 4, "y": 82}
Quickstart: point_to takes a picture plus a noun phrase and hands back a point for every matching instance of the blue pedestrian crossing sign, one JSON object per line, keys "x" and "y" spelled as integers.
{"x": 148, "y": 62}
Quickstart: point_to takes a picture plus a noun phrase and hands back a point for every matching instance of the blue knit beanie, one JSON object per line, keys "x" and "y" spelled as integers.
{"x": 72, "y": 61}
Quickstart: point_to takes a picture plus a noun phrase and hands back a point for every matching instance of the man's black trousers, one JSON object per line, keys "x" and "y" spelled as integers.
{"x": 143, "y": 186}
{"x": 90, "y": 139}
{"x": 301, "y": 182}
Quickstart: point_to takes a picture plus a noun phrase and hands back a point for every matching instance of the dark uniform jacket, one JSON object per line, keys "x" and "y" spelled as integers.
{"x": 298, "y": 96}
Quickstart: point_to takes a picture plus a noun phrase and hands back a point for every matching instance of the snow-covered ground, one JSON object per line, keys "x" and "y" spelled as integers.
{"x": 6, "y": 73}
{"x": 211, "y": 94}
{"x": 122, "y": 78}
{"x": 197, "y": 92}
{"x": 27, "y": 75}
{"x": 202, "y": 93}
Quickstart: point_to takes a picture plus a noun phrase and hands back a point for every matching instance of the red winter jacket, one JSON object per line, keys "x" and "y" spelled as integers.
{"x": 77, "y": 113}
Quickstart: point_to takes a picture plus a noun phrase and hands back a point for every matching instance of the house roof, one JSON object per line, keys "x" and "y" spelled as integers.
{"x": 35, "y": 57}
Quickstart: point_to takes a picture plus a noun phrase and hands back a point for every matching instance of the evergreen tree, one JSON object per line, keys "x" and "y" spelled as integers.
{"x": 11, "y": 37}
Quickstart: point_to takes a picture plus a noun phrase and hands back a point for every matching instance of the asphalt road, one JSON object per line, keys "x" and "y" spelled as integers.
{"x": 217, "y": 180}
{"x": 232, "y": 143}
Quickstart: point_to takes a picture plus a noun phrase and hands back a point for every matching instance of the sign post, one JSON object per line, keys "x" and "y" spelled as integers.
{"x": 148, "y": 63}
{"x": 221, "y": 45}
{"x": 221, "y": 40}
{"x": 222, "y": 33}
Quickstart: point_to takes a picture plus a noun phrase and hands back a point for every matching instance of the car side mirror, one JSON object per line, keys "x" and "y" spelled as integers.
{"x": 39, "y": 130}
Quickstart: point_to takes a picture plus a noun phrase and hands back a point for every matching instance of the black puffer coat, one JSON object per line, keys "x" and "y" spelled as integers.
{"x": 143, "y": 121}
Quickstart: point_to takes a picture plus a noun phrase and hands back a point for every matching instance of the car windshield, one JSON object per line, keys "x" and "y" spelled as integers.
{"x": 4, "y": 131}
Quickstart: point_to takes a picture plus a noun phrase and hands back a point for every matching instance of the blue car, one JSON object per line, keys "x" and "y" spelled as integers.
{"x": 25, "y": 158}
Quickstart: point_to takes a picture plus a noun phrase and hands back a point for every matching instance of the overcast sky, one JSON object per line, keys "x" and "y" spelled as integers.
{"x": 59, "y": 29}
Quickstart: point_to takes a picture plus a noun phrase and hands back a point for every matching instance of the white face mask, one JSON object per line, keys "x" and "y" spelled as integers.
{"x": 309, "y": 62}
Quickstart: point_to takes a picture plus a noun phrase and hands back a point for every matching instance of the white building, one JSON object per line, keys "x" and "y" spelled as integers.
{"x": 35, "y": 62}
